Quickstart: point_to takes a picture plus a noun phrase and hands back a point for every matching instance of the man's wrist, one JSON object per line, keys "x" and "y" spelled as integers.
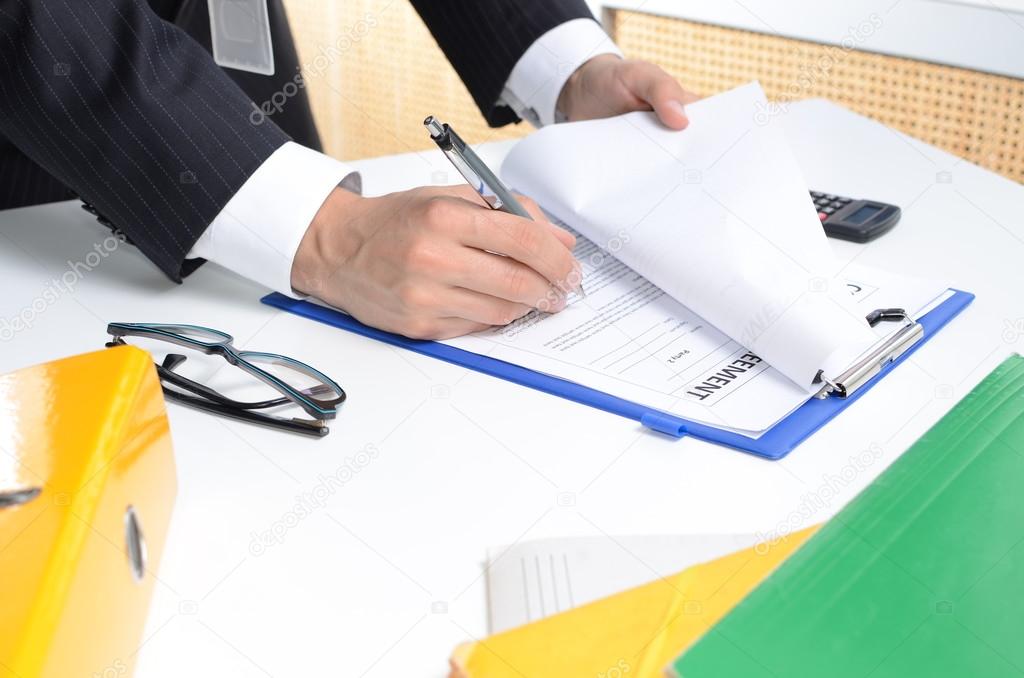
{"x": 533, "y": 87}
{"x": 330, "y": 240}
{"x": 573, "y": 91}
{"x": 258, "y": 232}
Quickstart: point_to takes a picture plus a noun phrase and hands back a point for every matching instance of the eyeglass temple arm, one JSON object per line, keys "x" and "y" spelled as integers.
{"x": 172, "y": 360}
{"x": 305, "y": 426}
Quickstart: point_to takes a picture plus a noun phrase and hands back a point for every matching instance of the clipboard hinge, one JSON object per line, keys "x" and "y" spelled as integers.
{"x": 875, "y": 358}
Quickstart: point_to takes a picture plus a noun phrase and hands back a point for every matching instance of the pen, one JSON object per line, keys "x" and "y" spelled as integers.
{"x": 476, "y": 172}
{"x": 470, "y": 166}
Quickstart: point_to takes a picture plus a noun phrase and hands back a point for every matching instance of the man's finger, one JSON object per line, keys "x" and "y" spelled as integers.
{"x": 482, "y": 308}
{"x": 505, "y": 278}
{"x": 689, "y": 97}
{"x": 467, "y": 193}
{"x": 567, "y": 238}
{"x": 448, "y": 328}
{"x": 531, "y": 243}
{"x": 659, "y": 89}
{"x": 423, "y": 328}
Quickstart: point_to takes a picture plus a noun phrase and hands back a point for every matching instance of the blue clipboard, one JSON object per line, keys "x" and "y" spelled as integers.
{"x": 775, "y": 443}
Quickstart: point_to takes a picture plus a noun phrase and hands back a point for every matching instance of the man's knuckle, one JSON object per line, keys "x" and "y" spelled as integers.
{"x": 526, "y": 235}
{"x": 483, "y": 225}
{"x": 437, "y": 211}
{"x": 466, "y": 193}
{"x": 517, "y": 283}
{"x": 632, "y": 67}
{"x": 421, "y": 328}
{"x": 412, "y": 296}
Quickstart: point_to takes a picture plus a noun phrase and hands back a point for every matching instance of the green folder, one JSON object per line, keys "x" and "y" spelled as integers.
{"x": 921, "y": 575}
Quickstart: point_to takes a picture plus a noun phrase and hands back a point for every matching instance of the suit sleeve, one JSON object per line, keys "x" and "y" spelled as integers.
{"x": 132, "y": 114}
{"x": 484, "y": 39}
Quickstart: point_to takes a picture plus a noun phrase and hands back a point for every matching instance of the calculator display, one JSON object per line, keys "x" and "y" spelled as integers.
{"x": 863, "y": 214}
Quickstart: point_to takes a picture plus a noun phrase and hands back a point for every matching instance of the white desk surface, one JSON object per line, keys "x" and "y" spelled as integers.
{"x": 385, "y": 578}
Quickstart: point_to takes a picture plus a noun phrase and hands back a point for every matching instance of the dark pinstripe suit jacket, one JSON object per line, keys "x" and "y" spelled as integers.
{"x": 119, "y": 102}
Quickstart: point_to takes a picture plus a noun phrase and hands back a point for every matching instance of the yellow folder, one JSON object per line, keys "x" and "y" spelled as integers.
{"x": 633, "y": 634}
{"x": 87, "y": 483}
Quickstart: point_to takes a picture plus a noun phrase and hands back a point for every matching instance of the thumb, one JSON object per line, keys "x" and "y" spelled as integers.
{"x": 662, "y": 93}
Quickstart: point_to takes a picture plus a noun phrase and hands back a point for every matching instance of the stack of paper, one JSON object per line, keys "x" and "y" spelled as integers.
{"x": 634, "y": 633}
{"x": 533, "y": 579}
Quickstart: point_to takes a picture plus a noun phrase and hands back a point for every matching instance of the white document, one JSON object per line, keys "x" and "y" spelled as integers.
{"x": 630, "y": 339}
{"x": 717, "y": 216}
{"x": 740, "y": 302}
{"x": 532, "y": 580}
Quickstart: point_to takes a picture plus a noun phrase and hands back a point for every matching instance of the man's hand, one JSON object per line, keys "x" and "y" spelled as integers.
{"x": 607, "y": 85}
{"x": 428, "y": 264}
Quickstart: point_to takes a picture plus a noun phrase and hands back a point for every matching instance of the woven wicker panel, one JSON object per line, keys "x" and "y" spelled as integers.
{"x": 974, "y": 115}
{"x": 373, "y": 72}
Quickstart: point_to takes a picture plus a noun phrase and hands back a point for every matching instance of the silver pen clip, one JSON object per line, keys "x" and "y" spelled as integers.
{"x": 871, "y": 362}
{"x": 473, "y": 169}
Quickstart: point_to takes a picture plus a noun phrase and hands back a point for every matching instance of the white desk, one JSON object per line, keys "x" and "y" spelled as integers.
{"x": 385, "y": 577}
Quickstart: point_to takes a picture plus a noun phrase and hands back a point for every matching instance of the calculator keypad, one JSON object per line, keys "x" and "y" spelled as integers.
{"x": 828, "y": 204}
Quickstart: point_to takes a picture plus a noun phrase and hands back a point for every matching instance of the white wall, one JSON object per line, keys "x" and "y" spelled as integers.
{"x": 985, "y": 35}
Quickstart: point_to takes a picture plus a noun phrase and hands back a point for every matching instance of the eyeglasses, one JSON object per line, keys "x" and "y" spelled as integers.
{"x": 298, "y": 383}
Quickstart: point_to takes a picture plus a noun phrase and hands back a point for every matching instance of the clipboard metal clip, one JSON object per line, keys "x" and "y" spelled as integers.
{"x": 875, "y": 358}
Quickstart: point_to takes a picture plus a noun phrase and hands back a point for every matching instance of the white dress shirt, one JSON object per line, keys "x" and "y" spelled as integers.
{"x": 258, "y": 232}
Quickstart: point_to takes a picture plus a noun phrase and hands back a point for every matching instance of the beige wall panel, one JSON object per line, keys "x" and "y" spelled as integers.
{"x": 373, "y": 73}
{"x": 974, "y": 115}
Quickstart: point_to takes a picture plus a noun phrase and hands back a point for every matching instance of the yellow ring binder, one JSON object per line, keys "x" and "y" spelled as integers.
{"x": 86, "y": 491}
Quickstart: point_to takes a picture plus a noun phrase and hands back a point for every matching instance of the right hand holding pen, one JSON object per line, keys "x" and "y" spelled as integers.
{"x": 422, "y": 263}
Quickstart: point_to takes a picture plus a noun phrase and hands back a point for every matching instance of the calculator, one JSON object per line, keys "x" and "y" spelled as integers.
{"x": 856, "y": 220}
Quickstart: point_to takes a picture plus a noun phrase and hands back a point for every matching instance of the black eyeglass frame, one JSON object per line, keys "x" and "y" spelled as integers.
{"x": 208, "y": 399}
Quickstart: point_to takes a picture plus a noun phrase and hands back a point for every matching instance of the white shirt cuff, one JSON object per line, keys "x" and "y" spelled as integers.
{"x": 258, "y": 232}
{"x": 536, "y": 81}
